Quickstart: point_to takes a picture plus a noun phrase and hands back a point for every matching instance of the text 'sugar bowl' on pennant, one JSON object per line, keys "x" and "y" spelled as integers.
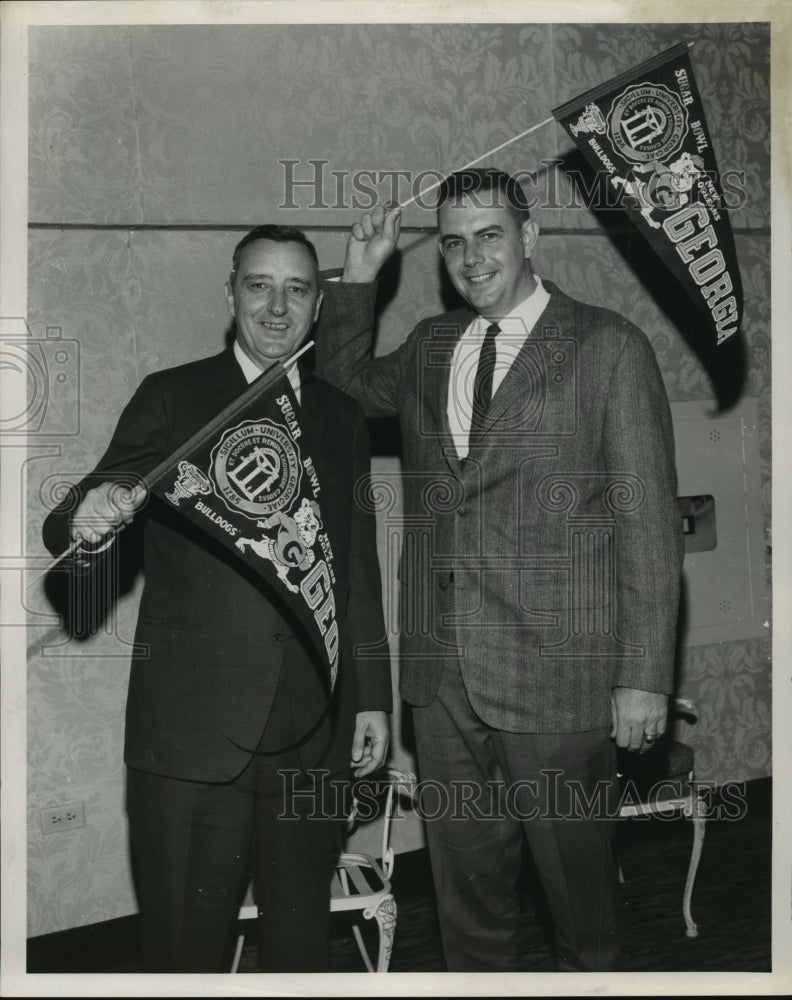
{"x": 247, "y": 480}
{"x": 647, "y": 129}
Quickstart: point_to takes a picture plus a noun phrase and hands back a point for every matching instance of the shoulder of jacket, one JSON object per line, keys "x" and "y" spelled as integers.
{"x": 331, "y": 395}
{"x": 191, "y": 371}
{"x": 443, "y": 324}
{"x": 588, "y": 321}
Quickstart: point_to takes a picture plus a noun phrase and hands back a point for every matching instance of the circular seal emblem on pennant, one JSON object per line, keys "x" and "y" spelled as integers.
{"x": 256, "y": 468}
{"x": 647, "y": 122}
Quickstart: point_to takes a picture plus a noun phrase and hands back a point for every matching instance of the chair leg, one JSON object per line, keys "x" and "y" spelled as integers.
{"x": 699, "y": 823}
{"x": 385, "y": 914}
{"x": 238, "y": 953}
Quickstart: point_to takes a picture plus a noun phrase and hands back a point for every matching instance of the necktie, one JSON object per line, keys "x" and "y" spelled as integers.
{"x": 482, "y": 387}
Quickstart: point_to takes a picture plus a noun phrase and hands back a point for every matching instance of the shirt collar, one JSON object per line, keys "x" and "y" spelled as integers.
{"x": 251, "y": 370}
{"x": 527, "y": 312}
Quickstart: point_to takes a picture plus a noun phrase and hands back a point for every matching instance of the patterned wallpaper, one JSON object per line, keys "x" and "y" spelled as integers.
{"x": 188, "y": 124}
{"x": 182, "y": 127}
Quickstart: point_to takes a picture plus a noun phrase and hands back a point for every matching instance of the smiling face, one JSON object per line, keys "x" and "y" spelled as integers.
{"x": 486, "y": 251}
{"x": 274, "y": 299}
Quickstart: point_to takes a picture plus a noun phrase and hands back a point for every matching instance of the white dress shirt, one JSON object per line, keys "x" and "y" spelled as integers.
{"x": 251, "y": 370}
{"x": 515, "y": 330}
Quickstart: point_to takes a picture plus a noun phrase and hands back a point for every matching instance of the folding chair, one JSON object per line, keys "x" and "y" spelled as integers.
{"x": 359, "y": 882}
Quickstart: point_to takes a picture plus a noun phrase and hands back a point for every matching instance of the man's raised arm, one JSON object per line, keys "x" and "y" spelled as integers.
{"x": 346, "y": 322}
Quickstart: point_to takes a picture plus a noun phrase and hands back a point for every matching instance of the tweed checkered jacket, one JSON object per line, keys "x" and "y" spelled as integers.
{"x": 549, "y": 561}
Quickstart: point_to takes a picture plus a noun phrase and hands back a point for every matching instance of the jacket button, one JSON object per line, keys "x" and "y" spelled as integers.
{"x": 278, "y": 637}
{"x": 462, "y": 511}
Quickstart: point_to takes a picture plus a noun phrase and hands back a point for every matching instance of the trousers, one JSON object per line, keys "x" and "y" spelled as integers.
{"x": 196, "y": 845}
{"x": 485, "y": 794}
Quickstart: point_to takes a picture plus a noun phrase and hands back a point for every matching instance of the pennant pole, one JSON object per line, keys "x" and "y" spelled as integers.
{"x": 495, "y": 149}
{"x": 478, "y": 159}
{"x": 264, "y": 381}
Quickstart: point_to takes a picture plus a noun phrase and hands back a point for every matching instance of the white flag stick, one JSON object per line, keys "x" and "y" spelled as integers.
{"x": 495, "y": 149}
{"x": 239, "y": 403}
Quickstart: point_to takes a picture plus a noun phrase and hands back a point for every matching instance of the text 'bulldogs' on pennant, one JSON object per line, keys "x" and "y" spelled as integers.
{"x": 647, "y": 129}
{"x": 250, "y": 484}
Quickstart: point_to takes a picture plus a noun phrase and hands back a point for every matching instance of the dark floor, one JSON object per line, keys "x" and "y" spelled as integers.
{"x": 731, "y": 905}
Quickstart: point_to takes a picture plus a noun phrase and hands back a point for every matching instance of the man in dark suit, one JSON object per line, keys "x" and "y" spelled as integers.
{"x": 539, "y": 486}
{"x": 227, "y": 707}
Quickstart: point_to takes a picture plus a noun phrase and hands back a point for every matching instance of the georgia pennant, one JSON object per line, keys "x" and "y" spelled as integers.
{"x": 246, "y": 480}
{"x": 647, "y": 129}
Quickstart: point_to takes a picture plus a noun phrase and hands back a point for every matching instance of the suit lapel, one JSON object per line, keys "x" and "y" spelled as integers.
{"x": 309, "y": 414}
{"x": 225, "y": 376}
{"x": 317, "y": 415}
{"x": 525, "y": 381}
{"x": 435, "y": 371}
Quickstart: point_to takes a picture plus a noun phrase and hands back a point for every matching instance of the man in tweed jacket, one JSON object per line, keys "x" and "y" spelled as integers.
{"x": 540, "y": 568}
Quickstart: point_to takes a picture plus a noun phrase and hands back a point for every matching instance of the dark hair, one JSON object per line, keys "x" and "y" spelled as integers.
{"x": 278, "y": 234}
{"x": 501, "y": 189}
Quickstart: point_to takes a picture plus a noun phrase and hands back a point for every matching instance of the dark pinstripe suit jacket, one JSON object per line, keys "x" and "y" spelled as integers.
{"x": 549, "y": 561}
